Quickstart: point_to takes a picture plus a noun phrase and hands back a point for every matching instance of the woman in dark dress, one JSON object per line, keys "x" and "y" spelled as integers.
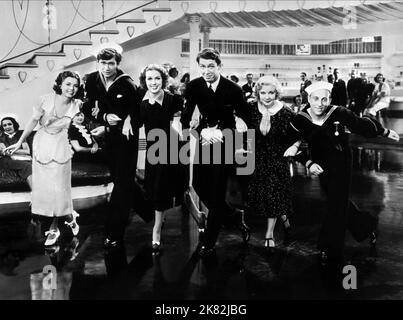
{"x": 80, "y": 138}
{"x": 157, "y": 110}
{"x": 323, "y": 127}
{"x": 270, "y": 185}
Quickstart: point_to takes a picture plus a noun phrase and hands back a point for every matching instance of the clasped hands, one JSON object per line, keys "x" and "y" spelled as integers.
{"x": 213, "y": 134}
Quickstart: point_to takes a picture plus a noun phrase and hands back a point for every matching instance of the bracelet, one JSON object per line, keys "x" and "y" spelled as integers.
{"x": 387, "y": 133}
{"x": 310, "y": 165}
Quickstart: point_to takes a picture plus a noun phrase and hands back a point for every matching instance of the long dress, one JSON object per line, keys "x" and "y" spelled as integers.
{"x": 51, "y": 164}
{"x": 269, "y": 190}
{"x": 160, "y": 178}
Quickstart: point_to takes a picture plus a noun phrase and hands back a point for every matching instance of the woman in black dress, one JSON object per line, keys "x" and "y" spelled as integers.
{"x": 269, "y": 188}
{"x": 81, "y": 139}
{"x": 157, "y": 110}
{"x": 323, "y": 127}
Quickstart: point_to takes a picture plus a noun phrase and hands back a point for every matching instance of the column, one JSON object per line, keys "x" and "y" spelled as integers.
{"x": 194, "y": 25}
{"x": 205, "y": 30}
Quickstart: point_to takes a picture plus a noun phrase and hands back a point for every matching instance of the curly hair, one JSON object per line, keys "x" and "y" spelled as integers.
{"x": 156, "y": 67}
{"x": 15, "y": 123}
{"x": 63, "y": 76}
{"x": 268, "y": 81}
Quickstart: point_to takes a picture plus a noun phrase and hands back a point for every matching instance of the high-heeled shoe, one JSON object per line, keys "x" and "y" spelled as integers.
{"x": 373, "y": 237}
{"x": 51, "y": 237}
{"x": 75, "y": 228}
{"x": 245, "y": 230}
{"x": 267, "y": 243}
{"x": 156, "y": 248}
{"x": 286, "y": 229}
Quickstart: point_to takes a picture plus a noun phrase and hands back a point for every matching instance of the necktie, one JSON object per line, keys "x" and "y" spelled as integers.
{"x": 211, "y": 88}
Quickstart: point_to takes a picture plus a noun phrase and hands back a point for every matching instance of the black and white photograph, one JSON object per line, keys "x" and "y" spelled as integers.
{"x": 201, "y": 158}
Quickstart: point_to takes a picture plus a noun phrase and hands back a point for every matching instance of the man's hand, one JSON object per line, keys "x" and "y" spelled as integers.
{"x": 98, "y": 131}
{"x": 393, "y": 135}
{"x": 315, "y": 169}
{"x": 127, "y": 128}
{"x": 211, "y": 135}
{"x": 240, "y": 125}
{"x": 94, "y": 148}
{"x": 112, "y": 119}
{"x": 194, "y": 123}
{"x": 95, "y": 110}
{"x": 291, "y": 151}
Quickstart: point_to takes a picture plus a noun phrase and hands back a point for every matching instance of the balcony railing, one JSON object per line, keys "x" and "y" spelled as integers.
{"x": 239, "y": 47}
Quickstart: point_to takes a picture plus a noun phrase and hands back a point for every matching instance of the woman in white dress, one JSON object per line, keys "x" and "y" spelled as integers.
{"x": 380, "y": 98}
{"x": 52, "y": 153}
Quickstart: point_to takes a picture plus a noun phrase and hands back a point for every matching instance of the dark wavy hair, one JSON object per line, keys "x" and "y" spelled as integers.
{"x": 209, "y": 54}
{"x": 156, "y": 67}
{"x": 376, "y": 77}
{"x": 63, "y": 76}
{"x": 15, "y": 123}
{"x": 108, "y": 54}
{"x": 295, "y": 98}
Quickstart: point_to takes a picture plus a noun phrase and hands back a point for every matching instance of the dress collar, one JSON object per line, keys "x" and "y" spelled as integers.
{"x": 159, "y": 98}
{"x": 277, "y": 106}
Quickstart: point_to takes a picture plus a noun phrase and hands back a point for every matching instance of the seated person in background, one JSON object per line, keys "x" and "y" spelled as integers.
{"x": 20, "y": 161}
{"x": 297, "y": 104}
{"x": 380, "y": 99}
{"x": 84, "y": 145}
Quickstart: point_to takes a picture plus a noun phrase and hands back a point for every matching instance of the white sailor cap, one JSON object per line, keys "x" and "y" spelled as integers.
{"x": 318, "y": 86}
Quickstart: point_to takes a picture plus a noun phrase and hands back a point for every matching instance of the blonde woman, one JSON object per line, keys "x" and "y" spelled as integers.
{"x": 269, "y": 189}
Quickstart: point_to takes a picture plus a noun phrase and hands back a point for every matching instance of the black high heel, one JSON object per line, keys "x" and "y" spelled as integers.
{"x": 373, "y": 237}
{"x": 156, "y": 248}
{"x": 286, "y": 229}
{"x": 245, "y": 230}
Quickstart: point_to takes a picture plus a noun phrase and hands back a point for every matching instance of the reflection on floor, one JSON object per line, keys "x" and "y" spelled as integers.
{"x": 86, "y": 271}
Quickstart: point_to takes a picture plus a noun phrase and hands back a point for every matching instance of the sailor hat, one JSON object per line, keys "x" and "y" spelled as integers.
{"x": 318, "y": 86}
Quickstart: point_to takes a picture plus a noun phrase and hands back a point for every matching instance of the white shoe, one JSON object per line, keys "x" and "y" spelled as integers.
{"x": 75, "y": 228}
{"x": 52, "y": 236}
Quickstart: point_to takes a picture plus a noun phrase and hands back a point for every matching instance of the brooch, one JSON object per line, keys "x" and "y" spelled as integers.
{"x": 337, "y": 128}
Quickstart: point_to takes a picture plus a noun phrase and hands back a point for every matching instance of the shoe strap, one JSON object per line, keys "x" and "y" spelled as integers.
{"x": 51, "y": 232}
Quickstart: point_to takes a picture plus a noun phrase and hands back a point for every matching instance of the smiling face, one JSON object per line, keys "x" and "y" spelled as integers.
{"x": 154, "y": 81}
{"x": 108, "y": 68}
{"x": 69, "y": 87}
{"x": 209, "y": 69}
{"x": 7, "y": 126}
{"x": 79, "y": 118}
{"x": 379, "y": 78}
{"x": 267, "y": 94}
{"x": 319, "y": 100}
{"x": 249, "y": 78}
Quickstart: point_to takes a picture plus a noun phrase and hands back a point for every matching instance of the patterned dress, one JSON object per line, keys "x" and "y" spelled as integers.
{"x": 269, "y": 190}
{"x": 51, "y": 165}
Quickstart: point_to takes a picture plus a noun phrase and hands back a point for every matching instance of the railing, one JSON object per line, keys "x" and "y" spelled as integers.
{"x": 348, "y": 46}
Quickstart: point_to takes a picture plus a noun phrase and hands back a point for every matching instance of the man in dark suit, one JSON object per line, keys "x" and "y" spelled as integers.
{"x": 304, "y": 84}
{"x": 222, "y": 107}
{"x": 113, "y": 101}
{"x": 339, "y": 91}
{"x": 247, "y": 88}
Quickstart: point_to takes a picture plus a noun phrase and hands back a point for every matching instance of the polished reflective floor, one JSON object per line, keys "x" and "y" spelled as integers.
{"x": 86, "y": 271}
